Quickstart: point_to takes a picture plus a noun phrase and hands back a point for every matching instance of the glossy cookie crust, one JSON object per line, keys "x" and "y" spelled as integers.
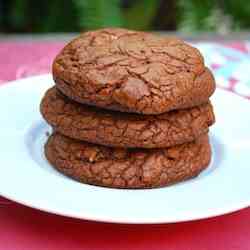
{"x": 118, "y": 129}
{"x": 132, "y": 71}
{"x": 127, "y": 168}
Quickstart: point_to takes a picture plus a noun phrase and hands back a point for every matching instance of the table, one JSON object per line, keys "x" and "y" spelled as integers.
{"x": 24, "y": 228}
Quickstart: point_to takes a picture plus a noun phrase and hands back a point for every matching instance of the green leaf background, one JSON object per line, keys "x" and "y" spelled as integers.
{"x": 78, "y": 15}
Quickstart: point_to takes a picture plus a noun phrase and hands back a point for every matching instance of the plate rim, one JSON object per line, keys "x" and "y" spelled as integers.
{"x": 103, "y": 219}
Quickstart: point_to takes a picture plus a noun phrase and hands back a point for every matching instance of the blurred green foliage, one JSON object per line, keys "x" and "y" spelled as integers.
{"x": 98, "y": 14}
{"x": 78, "y": 15}
{"x": 213, "y": 15}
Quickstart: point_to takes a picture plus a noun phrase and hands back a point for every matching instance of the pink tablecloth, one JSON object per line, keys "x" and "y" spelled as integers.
{"x": 25, "y": 228}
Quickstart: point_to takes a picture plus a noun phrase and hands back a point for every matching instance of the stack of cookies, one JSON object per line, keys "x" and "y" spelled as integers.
{"x": 129, "y": 110}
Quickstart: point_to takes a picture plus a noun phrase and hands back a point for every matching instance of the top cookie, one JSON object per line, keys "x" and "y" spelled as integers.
{"x": 132, "y": 71}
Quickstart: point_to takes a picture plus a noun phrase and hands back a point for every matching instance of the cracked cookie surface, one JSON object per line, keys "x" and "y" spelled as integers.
{"x": 127, "y": 168}
{"x": 118, "y": 129}
{"x": 132, "y": 71}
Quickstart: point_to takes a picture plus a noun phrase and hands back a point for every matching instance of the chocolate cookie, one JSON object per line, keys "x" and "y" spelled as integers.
{"x": 132, "y": 71}
{"x": 109, "y": 128}
{"x": 127, "y": 168}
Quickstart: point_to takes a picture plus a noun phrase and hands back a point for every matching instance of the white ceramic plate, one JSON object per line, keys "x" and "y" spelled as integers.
{"x": 27, "y": 178}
